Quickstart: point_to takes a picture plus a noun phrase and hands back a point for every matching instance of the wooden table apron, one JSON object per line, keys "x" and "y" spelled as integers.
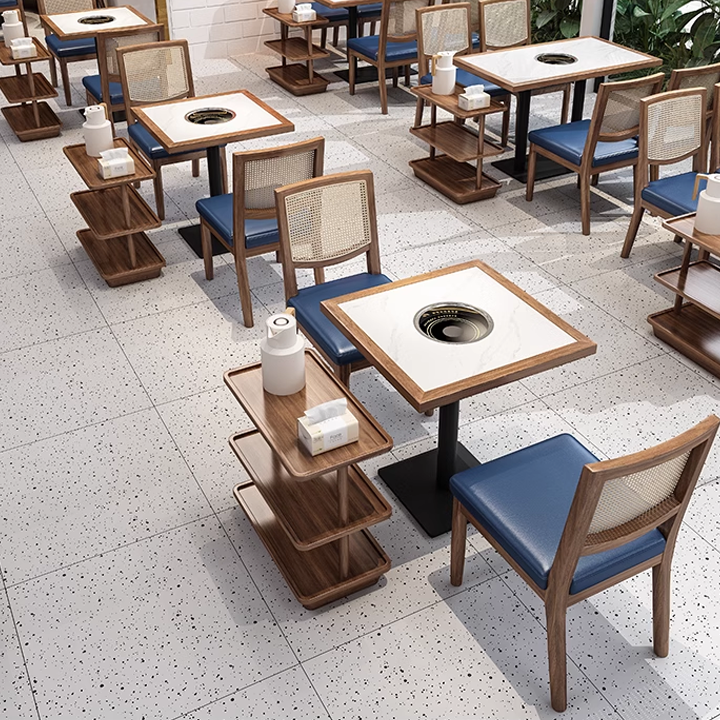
{"x": 517, "y": 167}
{"x": 421, "y": 482}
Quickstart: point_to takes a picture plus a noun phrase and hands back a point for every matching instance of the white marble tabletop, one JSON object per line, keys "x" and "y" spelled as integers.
{"x": 518, "y": 68}
{"x": 68, "y": 25}
{"x": 520, "y": 332}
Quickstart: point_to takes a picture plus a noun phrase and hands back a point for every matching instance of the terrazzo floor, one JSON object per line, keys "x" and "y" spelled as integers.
{"x": 134, "y": 587}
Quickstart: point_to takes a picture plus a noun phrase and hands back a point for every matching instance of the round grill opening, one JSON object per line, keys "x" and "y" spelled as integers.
{"x": 96, "y": 19}
{"x": 556, "y": 59}
{"x": 210, "y": 116}
{"x": 453, "y": 323}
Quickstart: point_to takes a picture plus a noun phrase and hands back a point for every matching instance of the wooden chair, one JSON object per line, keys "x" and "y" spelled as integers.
{"x": 151, "y": 73}
{"x": 505, "y": 24}
{"x": 589, "y": 147}
{"x": 572, "y": 526}
{"x": 106, "y": 87}
{"x": 245, "y": 221}
{"x": 324, "y": 222}
{"x": 672, "y": 128}
{"x": 447, "y": 27}
{"x": 339, "y": 17}
{"x": 394, "y": 47}
{"x": 66, "y": 51}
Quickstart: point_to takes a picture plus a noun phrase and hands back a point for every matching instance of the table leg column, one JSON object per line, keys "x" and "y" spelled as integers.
{"x": 447, "y": 444}
{"x": 215, "y": 171}
{"x": 578, "y": 104}
{"x": 522, "y": 123}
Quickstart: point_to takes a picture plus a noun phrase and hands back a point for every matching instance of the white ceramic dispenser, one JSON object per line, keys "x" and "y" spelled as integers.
{"x": 282, "y": 354}
{"x": 12, "y": 27}
{"x": 97, "y": 131}
{"x": 707, "y": 217}
{"x": 443, "y": 73}
{"x": 286, "y": 6}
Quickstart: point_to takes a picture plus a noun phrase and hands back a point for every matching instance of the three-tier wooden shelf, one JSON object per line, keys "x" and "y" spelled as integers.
{"x": 298, "y": 76}
{"x": 312, "y": 513}
{"x": 30, "y": 119}
{"x": 692, "y": 325}
{"x": 451, "y": 172}
{"x": 117, "y": 218}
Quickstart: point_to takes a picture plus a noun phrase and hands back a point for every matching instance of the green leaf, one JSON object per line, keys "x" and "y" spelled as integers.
{"x": 569, "y": 27}
{"x": 638, "y": 12}
{"x": 672, "y": 8}
{"x": 544, "y": 17}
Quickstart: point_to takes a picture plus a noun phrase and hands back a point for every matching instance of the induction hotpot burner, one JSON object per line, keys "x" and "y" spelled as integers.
{"x": 209, "y": 116}
{"x": 96, "y": 19}
{"x": 556, "y": 59}
{"x": 453, "y": 323}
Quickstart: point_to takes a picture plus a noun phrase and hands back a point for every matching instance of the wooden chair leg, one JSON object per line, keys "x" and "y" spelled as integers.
{"x": 505, "y": 133}
{"x": 53, "y": 71}
{"x": 243, "y": 282}
{"x": 632, "y": 230}
{"x": 595, "y": 180}
{"x": 584, "y": 203}
{"x": 336, "y": 35}
{"x": 319, "y": 275}
{"x": 343, "y": 373}
{"x": 159, "y": 194}
{"x": 407, "y": 76}
{"x": 361, "y": 29}
{"x": 323, "y": 38}
{"x": 557, "y": 660}
{"x": 661, "y": 609}
{"x": 66, "y": 82}
{"x": 383, "y": 89}
{"x": 372, "y": 27}
{"x": 351, "y": 72}
{"x": 458, "y": 541}
{"x": 206, "y": 242}
{"x": 565, "y": 105}
{"x": 396, "y": 75}
{"x": 195, "y": 165}
{"x": 532, "y": 167}
{"x": 419, "y": 109}
{"x": 654, "y": 172}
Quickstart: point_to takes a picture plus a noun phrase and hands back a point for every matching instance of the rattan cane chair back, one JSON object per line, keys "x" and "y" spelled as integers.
{"x": 398, "y": 21}
{"x": 109, "y": 45}
{"x": 705, "y": 77}
{"x": 674, "y": 126}
{"x": 55, "y": 7}
{"x": 504, "y": 24}
{"x": 442, "y": 27}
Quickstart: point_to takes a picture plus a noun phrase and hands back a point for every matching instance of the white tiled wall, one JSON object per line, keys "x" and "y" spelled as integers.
{"x": 221, "y": 28}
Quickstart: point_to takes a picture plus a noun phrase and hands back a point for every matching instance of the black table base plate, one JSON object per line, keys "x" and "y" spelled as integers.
{"x": 191, "y": 235}
{"x": 414, "y": 484}
{"x": 368, "y": 73}
{"x": 546, "y": 168}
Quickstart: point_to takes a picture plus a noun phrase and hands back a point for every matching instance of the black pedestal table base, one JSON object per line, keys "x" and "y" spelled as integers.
{"x": 367, "y": 74}
{"x": 191, "y": 235}
{"x": 545, "y": 169}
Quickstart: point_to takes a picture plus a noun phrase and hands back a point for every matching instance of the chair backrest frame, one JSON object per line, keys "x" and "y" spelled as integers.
{"x": 606, "y": 91}
{"x": 683, "y": 78}
{"x": 370, "y": 249}
{"x": 160, "y": 45}
{"x": 389, "y": 14}
{"x": 423, "y": 14}
{"x": 576, "y": 541}
{"x": 70, "y": 6}
{"x": 485, "y": 45}
{"x": 240, "y": 162}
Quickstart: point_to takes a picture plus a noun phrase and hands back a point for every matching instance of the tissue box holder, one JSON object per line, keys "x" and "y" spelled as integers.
{"x": 22, "y": 48}
{"x": 473, "y": 102}
{"x": 116, "y": 167}
{"x": 328, "y": 434}
{"x": 303, "y": 15}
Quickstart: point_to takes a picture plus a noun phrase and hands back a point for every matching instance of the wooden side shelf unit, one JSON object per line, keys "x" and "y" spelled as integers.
{"x": 29, "y": 118}
{"x": 452, "y": 173}
{"x": 312, "y": 513}
{"x": 117, "y": 218}
{"x": 692, "y": 325}
{"x": 299, "y": 77}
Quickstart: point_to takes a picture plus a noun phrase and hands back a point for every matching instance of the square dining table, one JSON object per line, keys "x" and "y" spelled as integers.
{"x": 441, "y": 337}
{"x": 89, "y": 23}
{"x": 520, "y": 70}
{"x": 209, "y": 122}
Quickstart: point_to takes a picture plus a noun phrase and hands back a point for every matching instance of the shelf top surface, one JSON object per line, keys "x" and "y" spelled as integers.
{"x": 287, "y": 19}
{"x": 519, "y": 68}
{"x": 684, "y": 226}
{"x": 89, "y": 170}
{"x": 526, "y": 337}
{"x": 451, "y": 103}
{"x": 275, "y": 416}
{"x": 68, "y": 26}
{"x": 6, "y": 57}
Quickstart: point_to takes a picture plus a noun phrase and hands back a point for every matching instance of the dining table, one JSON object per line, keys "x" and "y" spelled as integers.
{"x": 520, "y": 70}
{"x": 89, "y": 23}
{"x": 209, "y": 122}
{"x": 441, "y": 337}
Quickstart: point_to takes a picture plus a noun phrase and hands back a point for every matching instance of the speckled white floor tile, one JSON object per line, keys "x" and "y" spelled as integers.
{"x": 201, "y": 425}
{"x": 63, "y": 385}
{"x": 91, "y": 632}
{"x": 479, "y": 654}
{"x": 46, "y": 305}
{"x": 640, "y": 406}
{"x": 185, "y": 351}
{"x": 92, "y": 490}
{"x": 16, "y": 700}
{"x": 44, "y": 185}
{"x": 289, "y": 696}
{"x": 18, "y": 198}
{"x": 28, "y": 244}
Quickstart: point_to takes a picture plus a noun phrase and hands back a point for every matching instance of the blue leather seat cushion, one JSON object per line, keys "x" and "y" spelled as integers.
{"x": 322, "y": 332}
{"x": 218, "y": 212}
{"x": 373, "y": 10}
{"x": 464, "y": 78}
{"x": 332, "y": 14}
{"x": 568, "y": 141}
{"x": 146, "y": 141}
{"x": 368, "y": 47}
{"x": 673, "y": 194}
{"x": 523, "y": 500}
{"x": 92, "y": 83}
{"x": 70, "y": 48}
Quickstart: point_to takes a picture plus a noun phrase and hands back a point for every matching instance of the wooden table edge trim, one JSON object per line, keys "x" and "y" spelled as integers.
{"x": 121, "y": 180}
{"x": 385, "y": 447}
{"x": 45, "y": 20}
{"x": 171, "y": 146}
{"x": 425, "y": 400}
